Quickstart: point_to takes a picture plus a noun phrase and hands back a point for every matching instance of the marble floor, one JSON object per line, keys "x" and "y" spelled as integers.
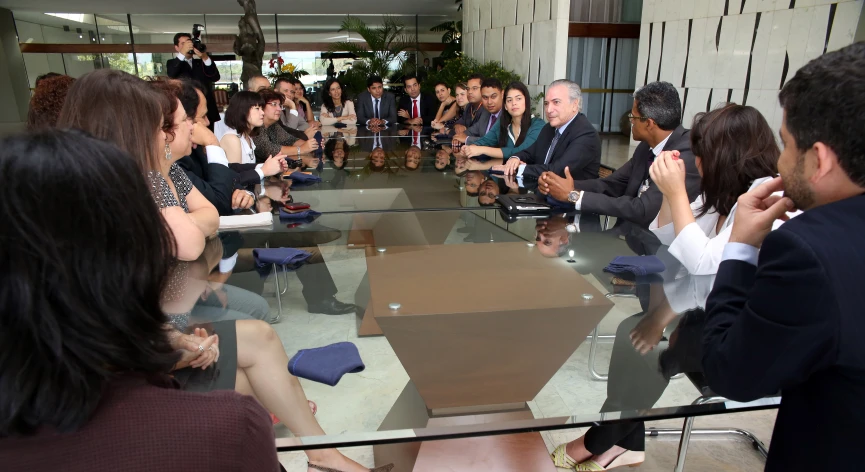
{"x": 360, "y": 401}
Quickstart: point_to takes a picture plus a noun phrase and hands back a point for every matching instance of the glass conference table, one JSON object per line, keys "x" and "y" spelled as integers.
{"x": 475, "y": 329}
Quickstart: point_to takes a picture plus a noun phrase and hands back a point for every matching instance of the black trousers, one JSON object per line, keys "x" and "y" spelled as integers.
{"x": 634, "y": 383}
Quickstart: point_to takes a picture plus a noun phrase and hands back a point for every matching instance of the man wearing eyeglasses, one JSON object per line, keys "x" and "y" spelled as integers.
{"x": 629, "y": 193}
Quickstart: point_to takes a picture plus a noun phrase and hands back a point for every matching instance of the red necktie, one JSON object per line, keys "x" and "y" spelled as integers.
{"x": 415, "y": 139}
{"x": 414, "y": 108}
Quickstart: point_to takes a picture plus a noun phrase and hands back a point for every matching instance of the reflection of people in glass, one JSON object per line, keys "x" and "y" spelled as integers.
{"x": 488, "y": 192}
{"x": 461, "y": 166}
{"x": 474, "y": 179}
{"x": 377, "y": 160}
{"x": 443, "y": 159}
{"x": 412, "y": 158}
{"x": 552, "y": 236}
{"x": 336, "y": 151}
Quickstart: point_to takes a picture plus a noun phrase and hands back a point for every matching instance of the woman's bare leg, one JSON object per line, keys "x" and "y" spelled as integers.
{"x": 264, "y": 366}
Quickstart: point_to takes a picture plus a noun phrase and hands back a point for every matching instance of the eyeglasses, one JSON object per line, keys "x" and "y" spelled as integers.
{"x": 276, "y": 105}
{"x": 632, "y": 117}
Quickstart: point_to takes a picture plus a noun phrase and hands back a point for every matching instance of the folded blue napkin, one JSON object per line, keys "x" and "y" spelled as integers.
{"x": 326, "y": 364}
{"x": 340, "y": 125}
{"x": 287, "y": 258}
{"x": 304, "y": 178}
{"x": 637, "y": 265}
{"x": 302, "y": 215}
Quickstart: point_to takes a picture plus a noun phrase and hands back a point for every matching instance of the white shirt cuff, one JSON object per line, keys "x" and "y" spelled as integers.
{"x": 520, "y": 169}
{"x": 259, "y": 171}
{"x": 227, "y": 265}
{"x": 293, "y": 112}
{"x": 577, "y": 222}
{"x": 208, "y": 62}
{"x": 579, "y": 203}
{"x": 215, "y": 155}
{"x": 741, "y": 252}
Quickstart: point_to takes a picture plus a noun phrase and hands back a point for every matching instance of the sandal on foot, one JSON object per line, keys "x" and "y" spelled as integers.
{"x": 384, "y": 468}
{"x": 561, "y": 459}
{"x": 627, "y": 458}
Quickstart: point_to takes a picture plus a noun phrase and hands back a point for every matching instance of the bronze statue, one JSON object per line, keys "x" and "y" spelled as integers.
{"x": 249, "y": 43}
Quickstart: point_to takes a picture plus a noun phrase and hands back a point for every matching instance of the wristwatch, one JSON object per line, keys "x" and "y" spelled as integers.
{"x": 573, "y": 196}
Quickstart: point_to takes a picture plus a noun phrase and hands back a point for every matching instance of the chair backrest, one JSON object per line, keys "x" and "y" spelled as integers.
{"x": 221, "y": 97}
{"x": 605, "y": 171}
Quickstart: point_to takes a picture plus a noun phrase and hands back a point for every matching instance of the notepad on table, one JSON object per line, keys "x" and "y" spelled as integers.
{"x": 245, "y": 221}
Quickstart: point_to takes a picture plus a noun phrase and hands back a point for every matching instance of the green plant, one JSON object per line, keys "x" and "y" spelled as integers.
{"x": 460, "y": 68}
{"x": 385, "y": 45}
{"x": 452, "y": 37}
{"x": 281, "y": 70}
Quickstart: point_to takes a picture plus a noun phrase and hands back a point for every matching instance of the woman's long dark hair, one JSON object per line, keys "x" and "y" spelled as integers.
{"x": 81, "y": 275}
{"x": 238, "y": 111}
{"x": 736, "y": 146}
{"x": 327, "y": 100}
{"x": 525, "y": 121}
{"x": 330, "y": 147}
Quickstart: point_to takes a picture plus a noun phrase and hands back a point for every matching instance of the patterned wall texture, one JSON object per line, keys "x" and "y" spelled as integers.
{"x": 529, "y": 37}
{"x": 738, "y": 50}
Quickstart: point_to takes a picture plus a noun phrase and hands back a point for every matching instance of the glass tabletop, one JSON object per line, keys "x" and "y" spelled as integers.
{"x": 466, "y": 321}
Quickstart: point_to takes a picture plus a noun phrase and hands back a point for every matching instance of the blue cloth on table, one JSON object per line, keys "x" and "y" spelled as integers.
{"x": 340, "y": 125}
{"x": 637, "y": 265}
{"x": 286, "y": 257}
{"x": 326, "y": 364}
{"x": 304, "y": 178}
{"x": 301, "y": 215}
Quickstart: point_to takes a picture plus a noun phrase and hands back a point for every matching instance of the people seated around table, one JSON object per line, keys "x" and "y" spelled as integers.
{"x": 474, "y": 179}
{"x": 377, "y": 160}
{"x": 791, "y": 299}
{"x": 47, "y": 101}
{"x": 735, "y": 151}
{"x": 515, "y": 131}
{"x": 104, "y": 348}
{"x": 413, "y": 160}
{"x": 257, "y": 83}
{"x": 475, "y": 117}
{"x": 629, "y": 193}
{"x": 375, "y": 107}
{"x": 492, "y": 97}
{"x": 304, "y": 108}
{"x": 448, "y": 110}
{"x": 255, "y": 362}
{"x": 416, "y": 108}
{"x": 568, "y": 143}
{"x": 336, "y": 107}
{"x": 290, "y": 116}
{"x": 272, "y": 138}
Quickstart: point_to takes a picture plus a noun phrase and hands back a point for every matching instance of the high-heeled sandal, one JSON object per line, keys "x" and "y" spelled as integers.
{"x": 627, "y": 458}
{"x": 384, "y": 468}
{"x": 561, "y": 459}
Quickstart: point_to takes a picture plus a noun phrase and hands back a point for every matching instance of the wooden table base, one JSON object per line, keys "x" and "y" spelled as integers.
{"x": 500, "y": 453}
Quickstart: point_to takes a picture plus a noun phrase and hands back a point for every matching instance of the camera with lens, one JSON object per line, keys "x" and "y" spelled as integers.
{"x": 196, "y": 38}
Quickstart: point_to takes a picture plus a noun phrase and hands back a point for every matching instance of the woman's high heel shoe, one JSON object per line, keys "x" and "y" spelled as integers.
{"x": 561, "y": 459}
{"x": 627, "y": 458}
{"x": 384, "y": 468}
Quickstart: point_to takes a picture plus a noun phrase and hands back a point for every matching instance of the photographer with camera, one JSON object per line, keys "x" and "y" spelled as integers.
{"x": 193, "y": 62}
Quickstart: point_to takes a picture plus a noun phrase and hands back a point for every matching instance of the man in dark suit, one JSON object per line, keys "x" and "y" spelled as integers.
{"x": 629, "y": 193}
{"x": 568, "y": 141}
{"x": 416, "y": 108}
{"x": 377, "y": 137}
{"x": 786, "y": 311}
{"x": 203, "y": 70}
{"x": 375, "y": 107}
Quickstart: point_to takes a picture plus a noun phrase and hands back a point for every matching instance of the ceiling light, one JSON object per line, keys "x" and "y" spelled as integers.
{"x": 81, "y": 36}
{"x": 79, "y": 17}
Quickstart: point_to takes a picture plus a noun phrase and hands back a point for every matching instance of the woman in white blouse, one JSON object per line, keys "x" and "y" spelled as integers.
{"x": 245, "y": 113}
{"x": 335, "y": 107}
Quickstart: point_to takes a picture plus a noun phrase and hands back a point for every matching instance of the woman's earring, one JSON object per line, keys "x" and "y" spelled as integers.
{"x": 167, "y": 152}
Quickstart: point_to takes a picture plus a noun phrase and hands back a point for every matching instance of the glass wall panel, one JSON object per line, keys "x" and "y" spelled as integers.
{"x": 606, "y": 11}
{"x": 112, "y": 29}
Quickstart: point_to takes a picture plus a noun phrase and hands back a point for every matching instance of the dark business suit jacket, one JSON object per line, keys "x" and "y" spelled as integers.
{"x": 214, "y": 181}
{"x": 207, "y": 75}
{"x": 386, "y": 108}
{"x": 469, "y": 121}
{"x": 579, "y": 149}
{"x": 796, "y": 323}
{"x": 428, "y": 105}
{"x": 387, "y": 139}
{"x": 617, "y": 195}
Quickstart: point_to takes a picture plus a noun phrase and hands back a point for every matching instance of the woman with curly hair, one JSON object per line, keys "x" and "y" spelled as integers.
{"x": 47, "y": 101}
